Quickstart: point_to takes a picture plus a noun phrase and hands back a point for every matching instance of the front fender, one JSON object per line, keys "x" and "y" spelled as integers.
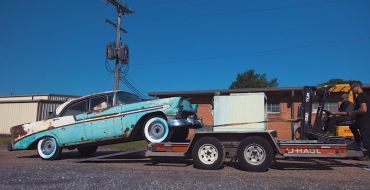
{"x": 28, "y": 141}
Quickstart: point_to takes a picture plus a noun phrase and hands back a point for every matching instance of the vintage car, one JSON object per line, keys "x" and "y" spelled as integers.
{"x": 106, "y": 118}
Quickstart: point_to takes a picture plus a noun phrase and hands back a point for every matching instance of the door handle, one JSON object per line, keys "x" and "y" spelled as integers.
{"x": 55, "y": 119}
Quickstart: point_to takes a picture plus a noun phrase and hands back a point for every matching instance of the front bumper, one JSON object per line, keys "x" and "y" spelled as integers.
{"x": 189, "y": 122}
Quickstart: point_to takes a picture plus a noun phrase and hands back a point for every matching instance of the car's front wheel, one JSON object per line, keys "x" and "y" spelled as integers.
{"x": 48, "y": 148}
{"x": 156, "y": 130}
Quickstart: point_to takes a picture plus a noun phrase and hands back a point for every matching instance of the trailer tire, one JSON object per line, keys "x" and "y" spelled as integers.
{"x": 255, "y": 154}
{"x": 208, "y": 153}
{"x": 87, "y": 151}
{"x": 48, "y": 149}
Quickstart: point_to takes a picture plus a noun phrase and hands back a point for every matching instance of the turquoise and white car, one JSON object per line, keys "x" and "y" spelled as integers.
{"x": 106, "y": 118}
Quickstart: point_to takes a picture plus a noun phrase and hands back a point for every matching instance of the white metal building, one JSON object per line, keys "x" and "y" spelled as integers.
{"x": 19, "y": 109}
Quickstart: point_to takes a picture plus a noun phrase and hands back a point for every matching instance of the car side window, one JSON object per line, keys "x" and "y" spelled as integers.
{"x": 126, "y": 98}
{"x": 101, "y": 102}
{"x": 75, "y": 109}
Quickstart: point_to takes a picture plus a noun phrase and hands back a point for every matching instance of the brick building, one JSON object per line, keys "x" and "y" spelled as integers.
{"x": 282, "y": 103}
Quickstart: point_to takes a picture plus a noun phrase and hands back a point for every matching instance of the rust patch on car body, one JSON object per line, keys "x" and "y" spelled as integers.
{"x": 18, "y": 132}
{"x": 126, "y": 131}
{"x": 82, "y": 138}
{"x": 132, "y": 126}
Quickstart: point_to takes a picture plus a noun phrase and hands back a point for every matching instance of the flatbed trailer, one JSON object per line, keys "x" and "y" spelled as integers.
{"x": 255, "y": 150}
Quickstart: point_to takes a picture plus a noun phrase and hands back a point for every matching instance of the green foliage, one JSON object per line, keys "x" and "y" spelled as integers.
{"x": 4, "y": 140}
{"x": 250, "y": 79}
{"x": 336, "y": 81}
{"x": 127, "y": 146}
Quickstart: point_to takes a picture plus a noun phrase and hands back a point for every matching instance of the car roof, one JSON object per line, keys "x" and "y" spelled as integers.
{"x": 61, "y": 107}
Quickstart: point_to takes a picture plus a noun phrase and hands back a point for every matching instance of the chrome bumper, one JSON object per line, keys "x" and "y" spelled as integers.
{"x": 190, "y": 121}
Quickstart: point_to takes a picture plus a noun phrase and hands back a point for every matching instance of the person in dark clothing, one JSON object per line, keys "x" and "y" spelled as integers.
{"x": 340, "y": 115}
{"x": 362, "y": 115}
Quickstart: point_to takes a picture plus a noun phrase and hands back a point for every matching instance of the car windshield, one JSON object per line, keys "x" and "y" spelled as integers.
{"x": 52, "y": 115}
{"x": 126, "y": 98}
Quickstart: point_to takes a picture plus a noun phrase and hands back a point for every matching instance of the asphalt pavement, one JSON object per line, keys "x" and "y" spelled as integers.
{"x": 25, "y": 170}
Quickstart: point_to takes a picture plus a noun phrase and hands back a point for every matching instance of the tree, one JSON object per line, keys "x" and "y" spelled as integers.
{"x": 250, "y": 79}
{"x": 336, "y": 81}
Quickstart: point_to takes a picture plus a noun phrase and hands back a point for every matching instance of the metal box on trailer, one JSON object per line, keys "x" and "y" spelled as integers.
{"x": 240, "y": 108}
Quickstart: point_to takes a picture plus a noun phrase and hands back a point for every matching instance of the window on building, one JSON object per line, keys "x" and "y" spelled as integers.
{"x": 330, "y": 105}
{"x": 273, "y": 107}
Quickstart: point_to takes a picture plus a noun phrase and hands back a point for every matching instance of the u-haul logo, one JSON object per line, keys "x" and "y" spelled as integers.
{"x": 303, "y": 151}
{"x": 307, "y": 97}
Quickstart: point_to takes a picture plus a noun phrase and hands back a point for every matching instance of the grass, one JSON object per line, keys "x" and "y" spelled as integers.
{"x": 4, "y": 140}
{"x": 128, "y": 145}
{"x": 121, "y": 146}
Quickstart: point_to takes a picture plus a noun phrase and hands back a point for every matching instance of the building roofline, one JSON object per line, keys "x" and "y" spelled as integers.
{"x": 26, "y": 95}
{"x": 228, "y": 91}
{"x": 31, "y": 101}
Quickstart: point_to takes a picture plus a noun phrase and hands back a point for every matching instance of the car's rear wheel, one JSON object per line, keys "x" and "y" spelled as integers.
{"x": 156, "y": 130}
{"x": 48, "y": 148}
{"x": 87, "y": 151}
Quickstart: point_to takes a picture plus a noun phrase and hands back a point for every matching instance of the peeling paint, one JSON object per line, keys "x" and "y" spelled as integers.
{"x": 126, "y": 131}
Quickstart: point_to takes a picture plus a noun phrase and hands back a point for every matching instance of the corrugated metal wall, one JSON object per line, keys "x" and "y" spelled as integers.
{"x": 12, "y": 114}
{"x": 61, "y": 98}
{"x": 47, "y": 107}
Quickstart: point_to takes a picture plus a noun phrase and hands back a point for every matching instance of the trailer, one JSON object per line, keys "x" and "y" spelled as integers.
{"x": 256, "y": 150}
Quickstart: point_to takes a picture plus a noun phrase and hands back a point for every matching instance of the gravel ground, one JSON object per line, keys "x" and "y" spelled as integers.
{"x": 25, "y": 170}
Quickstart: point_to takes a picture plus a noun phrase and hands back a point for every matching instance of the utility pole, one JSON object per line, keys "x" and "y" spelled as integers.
{"x": 121, "y": 9}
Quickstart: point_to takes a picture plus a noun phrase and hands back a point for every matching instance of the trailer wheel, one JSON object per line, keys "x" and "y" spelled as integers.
{"x": 156, "y": 130}
{"x": 208, "y": 153}
{"x": 48, "y": 148}
{"x": 87, "y": 151}
{"x": 255, "y": 154}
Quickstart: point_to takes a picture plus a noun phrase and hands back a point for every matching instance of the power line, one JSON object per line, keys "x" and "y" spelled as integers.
{"x": 132, "y": 88}
{"x": 151, "y": 10}
{"x": 87, "y": 80}
{"x": 154, "y": 3}
{"x": 136, "y": 84}
{"x": 216, "y": 14}
{"x": 103, "y": 82}
{"x": 297, "y": 47}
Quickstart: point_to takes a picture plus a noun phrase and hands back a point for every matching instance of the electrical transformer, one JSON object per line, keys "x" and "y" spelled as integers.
{"x": 123, "y": 53}
{"x": 111, "y": 52}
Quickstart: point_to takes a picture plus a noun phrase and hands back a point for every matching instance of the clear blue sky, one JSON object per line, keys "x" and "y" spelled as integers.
{"x": 59, "y": 46}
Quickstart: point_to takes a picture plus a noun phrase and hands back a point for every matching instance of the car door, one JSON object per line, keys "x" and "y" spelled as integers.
{"x": 102, "y": 121}
{"x": 70, "y": 125}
